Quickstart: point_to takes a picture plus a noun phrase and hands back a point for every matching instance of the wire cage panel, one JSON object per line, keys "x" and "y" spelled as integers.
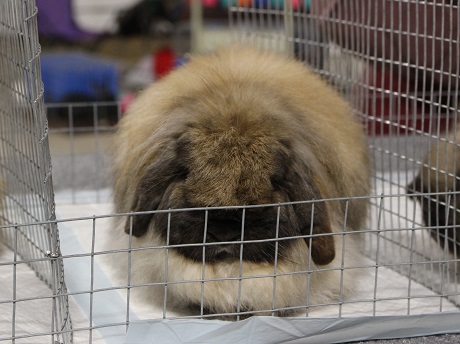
{"x": 409, "y": 269}
{"x": 26, "y": 188}
{"x": 396, "y": 61}
{"x": 418, "y": 279}
{"x": 409, "y": 274}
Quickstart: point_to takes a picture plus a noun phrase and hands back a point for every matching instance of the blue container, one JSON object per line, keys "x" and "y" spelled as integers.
{"x": 76, "y": 75}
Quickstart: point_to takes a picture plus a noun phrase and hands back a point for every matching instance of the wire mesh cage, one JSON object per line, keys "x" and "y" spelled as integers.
{"x": 396, "y": 62}
{"x": 26, "y": 185}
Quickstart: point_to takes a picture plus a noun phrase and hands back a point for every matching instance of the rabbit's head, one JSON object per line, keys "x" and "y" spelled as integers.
{"x": 226, "y": 159}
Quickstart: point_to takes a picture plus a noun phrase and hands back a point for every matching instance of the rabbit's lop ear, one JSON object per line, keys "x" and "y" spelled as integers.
{"x": 315, "y": 222}
{"x": 321, "y": 241}
{"x": 313, "y": 218}
{"x": 152, "y": 189}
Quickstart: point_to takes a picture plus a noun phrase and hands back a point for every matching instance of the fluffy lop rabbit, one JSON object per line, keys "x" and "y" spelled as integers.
{"x": 240, "y": 127}
{"x": 440, "y": 173}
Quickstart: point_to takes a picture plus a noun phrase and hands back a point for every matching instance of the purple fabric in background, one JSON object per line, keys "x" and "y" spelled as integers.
{"x": 55, "y": 21}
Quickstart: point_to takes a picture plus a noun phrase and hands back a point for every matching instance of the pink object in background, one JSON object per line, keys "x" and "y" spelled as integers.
{"x": 126, "y": 101}
{"x": 210, "y": 3}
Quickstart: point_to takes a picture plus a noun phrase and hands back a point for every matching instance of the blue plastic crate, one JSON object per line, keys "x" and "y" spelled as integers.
{"x": 78, "y": 76}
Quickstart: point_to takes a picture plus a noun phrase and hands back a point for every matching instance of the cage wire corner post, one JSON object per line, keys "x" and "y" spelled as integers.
{"x": 27, "y": 220}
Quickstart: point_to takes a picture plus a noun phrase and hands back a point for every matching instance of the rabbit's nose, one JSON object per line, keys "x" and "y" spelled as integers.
{"x": 226, "y": 230}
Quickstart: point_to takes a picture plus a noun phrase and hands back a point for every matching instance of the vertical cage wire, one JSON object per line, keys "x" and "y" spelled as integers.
{"x": 25, "y": 168}
{"x": 271, "y": 26}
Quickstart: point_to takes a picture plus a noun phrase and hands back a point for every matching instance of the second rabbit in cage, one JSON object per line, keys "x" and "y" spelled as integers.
{"x": 439, "y": 179}
{"x": 240, "y": 127}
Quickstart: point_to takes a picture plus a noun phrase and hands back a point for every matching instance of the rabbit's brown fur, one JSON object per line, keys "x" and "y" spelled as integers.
{"x": 234, "y": 128}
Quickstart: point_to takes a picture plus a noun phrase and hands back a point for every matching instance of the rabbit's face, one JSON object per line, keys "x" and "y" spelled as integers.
{"x": 228, "y": 162}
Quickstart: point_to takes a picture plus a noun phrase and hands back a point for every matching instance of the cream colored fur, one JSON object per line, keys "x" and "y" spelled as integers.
{"x": 299, "y": 282}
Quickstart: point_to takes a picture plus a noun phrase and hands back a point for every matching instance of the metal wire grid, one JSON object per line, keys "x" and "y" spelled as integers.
{"x": 94, "y": 231}
{"x": 396, "y": 239}
{"x": 25, "y": 169}
{"x": 270, "y": 26}
{"x": 81, "y": 153}
{"x": 375, "y": 52}
{"x": 398, "y": 157}
{"x": 438, "y": 273}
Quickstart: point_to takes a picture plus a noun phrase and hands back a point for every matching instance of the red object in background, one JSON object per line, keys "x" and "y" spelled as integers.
{"x": 126, "y": 100}
{"x": 163, "y": 62}
{"x": 244, "y": 3}
{"x": 210, "y": 3}
{"x": 206, "y": 3}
